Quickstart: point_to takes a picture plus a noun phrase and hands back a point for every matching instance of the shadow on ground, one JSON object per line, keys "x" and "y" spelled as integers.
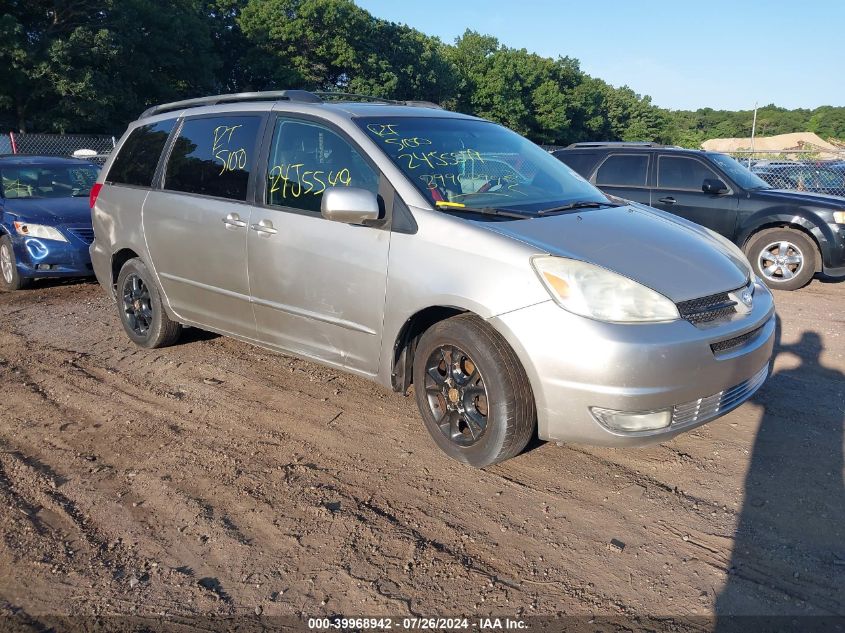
{"x": 790, "y": 540}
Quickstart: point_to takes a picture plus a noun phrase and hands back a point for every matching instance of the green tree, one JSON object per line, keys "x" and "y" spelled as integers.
{"x": 92, "y": 66}
{"x": 337, "y": 46}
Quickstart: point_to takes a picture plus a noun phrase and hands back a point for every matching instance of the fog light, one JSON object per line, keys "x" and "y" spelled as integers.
{"x": 632, "y": 421}
{"x": 43, "y": 267}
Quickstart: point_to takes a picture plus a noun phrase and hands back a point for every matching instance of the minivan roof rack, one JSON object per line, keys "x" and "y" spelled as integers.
{"x": 270, "y": 95}
{"x": 352, "y": 95}
{"x": 616, "y": 144}
{"x": 302, "y": 96}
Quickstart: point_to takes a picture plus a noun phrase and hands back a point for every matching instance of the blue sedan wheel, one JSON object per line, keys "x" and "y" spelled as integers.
{"x": 10, "y": 279}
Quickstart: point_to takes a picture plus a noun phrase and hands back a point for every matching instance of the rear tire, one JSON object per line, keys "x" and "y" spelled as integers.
{"x": 10, "y": 279}
{"x": 141, "y": 310}
{"x": 785, "y": 259}
{"x": 472, "y": 392}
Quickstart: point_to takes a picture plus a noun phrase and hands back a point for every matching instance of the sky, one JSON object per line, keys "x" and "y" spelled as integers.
{"x": 686, "y": 55}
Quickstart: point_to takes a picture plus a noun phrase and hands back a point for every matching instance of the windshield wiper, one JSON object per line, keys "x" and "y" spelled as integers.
{"x": 583, "y": 204}
{"x": 504, "y": 213}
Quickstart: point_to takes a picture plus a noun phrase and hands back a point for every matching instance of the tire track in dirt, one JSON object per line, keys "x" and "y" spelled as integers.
{"x": 251, "y": 479}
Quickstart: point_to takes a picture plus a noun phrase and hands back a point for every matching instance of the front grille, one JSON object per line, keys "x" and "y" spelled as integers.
{"x": 85, "y": 233}
{"x": 704, "y": 409}
{"x": 736, "y": 341}
{"x": 707, "y": 309}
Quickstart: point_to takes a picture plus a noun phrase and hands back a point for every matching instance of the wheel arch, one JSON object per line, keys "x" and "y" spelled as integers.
{"x": 118, "y": 259}
{"x": 749, "y": 234}
{"x": 404, "y": 346}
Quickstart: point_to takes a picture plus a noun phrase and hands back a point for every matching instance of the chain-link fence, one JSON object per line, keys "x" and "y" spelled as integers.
{"x": 801, "y": 170}
{"x": 90, "y": 147}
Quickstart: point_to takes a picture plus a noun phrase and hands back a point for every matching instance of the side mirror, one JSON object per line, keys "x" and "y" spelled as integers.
{"x": 350, "y": 205}
{"x": 714, "y": 186}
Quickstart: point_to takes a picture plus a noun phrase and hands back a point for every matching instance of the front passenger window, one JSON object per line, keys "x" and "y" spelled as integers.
{"x": 678, "y": 172}
{"x": 305, "y": 158}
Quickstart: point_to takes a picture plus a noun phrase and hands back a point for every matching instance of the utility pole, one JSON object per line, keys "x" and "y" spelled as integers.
{"x": 753, "y": 132}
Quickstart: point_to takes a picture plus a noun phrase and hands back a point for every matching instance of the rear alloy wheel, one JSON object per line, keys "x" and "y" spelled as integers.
{"x": 472, "y": 392}
{"x": 141, "y": 311}
{"x": 783, "y": 258}
{"x": 10, "y": 278}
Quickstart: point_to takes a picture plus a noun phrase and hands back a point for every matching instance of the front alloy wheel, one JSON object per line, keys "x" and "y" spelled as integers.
{"x": 10, "y": 278}
{"x": 781, "y": 261}
{"x": 472, "y": 392}
{"x": 456, "y": 395}
{"x": 7, "y": 264}
{"x": 784, "y": 258}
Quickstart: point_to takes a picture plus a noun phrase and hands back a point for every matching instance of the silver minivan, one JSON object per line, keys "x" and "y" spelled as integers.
{"x": 420, "y": 247}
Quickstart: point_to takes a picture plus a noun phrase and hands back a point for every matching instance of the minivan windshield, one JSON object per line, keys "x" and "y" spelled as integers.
{"x": 740, "y": 174}
{"x": 48, "y": 181}
{"x": 458, "y": 162}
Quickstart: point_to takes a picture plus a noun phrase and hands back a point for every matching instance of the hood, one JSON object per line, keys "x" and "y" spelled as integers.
{"x": 680, "y": 262}
{"x": 50, "y": 210}
{"x": 801, "y": 197}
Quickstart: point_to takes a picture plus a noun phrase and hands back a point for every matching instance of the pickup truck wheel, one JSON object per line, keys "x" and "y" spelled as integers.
{"x": 473, "y": 394}
{"x": 784, "y": 259}
{"x": 10, "y": 278}
{"x": 141, "y": 311}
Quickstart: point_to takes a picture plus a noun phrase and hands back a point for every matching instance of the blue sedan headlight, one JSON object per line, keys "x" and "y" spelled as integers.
{"x": 41, "y": 231}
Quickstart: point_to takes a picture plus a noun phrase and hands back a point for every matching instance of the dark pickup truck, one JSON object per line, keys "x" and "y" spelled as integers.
{"x": 788, "y": 236}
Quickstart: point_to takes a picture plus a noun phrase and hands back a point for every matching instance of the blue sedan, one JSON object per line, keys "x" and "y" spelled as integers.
{"x": 45, "y": 218}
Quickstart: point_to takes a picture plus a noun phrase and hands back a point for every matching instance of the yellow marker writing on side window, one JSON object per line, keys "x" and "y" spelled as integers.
{"x": 443, "y": 203}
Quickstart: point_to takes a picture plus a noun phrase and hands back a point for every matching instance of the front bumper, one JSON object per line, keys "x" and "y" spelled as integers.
{"x": 574, "y": 364}
{"x": 833, "y": 252}
{"x": 38, "y": 258}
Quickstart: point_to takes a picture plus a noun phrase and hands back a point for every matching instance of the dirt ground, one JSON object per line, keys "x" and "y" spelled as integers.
{"x": 216, "y": 478}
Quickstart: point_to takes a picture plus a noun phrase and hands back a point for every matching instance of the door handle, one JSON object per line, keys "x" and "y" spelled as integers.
{"x": 264, "y": 228}
{"x": 667, "y": 200}
{"x": 233, "y": 220}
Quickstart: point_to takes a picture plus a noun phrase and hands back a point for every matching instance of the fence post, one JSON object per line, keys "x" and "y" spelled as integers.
{"x": 12, "y": 139}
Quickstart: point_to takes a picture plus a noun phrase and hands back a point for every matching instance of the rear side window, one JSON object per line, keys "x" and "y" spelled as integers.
{"x": 623, "y": 170}
{"x": 581, "y": 163}
{"x": 136, "y": 162}
{"x": 213, "y": 156}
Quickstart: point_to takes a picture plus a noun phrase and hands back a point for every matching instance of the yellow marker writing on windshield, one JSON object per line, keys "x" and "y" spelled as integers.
{"x": 443, "y": 203}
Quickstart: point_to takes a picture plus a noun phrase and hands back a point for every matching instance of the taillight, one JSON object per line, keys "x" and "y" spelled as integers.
{"x": 95, "y": 191}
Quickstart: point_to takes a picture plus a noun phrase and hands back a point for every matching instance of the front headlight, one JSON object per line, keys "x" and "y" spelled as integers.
{"x": 597, "y": 293}
{"x": 41, "y": 231}
{"x": 839, "y": 217}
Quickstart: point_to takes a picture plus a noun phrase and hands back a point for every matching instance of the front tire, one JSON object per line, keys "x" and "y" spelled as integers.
{"x": 141, "y": 310}
{"x": 785, "y": 259}
{"x": 10, "y": 278}
{"x": 472, "y": 392}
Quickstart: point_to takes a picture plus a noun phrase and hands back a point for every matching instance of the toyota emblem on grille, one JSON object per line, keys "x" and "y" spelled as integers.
{"x": 747, "y": 298}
